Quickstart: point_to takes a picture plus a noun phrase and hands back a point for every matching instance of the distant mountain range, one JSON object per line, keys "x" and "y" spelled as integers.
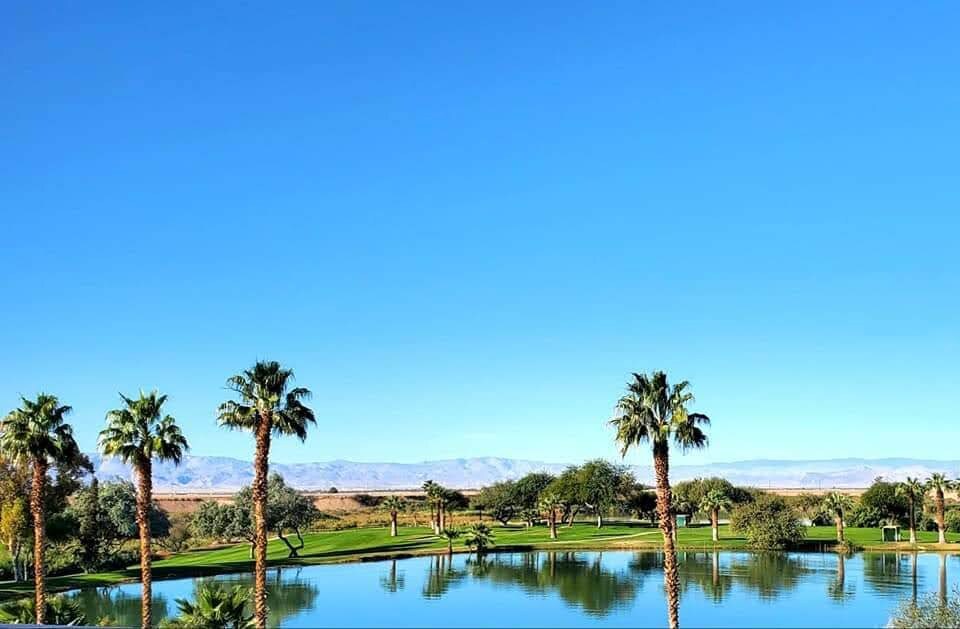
{"x": 213, "y": 474}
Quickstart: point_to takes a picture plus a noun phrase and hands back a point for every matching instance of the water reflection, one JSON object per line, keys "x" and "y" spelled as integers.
{"x": 116, "y": 606}
{"x": 575, "y": 588}
{"x": 393, "y": 581}
{"x": 585, "y": 584}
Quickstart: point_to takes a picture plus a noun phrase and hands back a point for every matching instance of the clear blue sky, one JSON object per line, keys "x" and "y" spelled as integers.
{"x": 464, "y": 224}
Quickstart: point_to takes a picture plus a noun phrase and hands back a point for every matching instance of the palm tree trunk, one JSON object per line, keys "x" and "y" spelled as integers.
{"x": 144, "y": 498}
{"x": 838, "y": 520}
{"x": 599, "y": 519}
{"x": 393, "y": 524}
{"x": 261, "y": 467}
{"x": 39, "y": 533}
{"x": 715, "y": 524}
{"x": 553, "y": 524}
{"x": 941, "y": 521}
{"x": 671, "y": 580}
{"x": 913, "y": 526}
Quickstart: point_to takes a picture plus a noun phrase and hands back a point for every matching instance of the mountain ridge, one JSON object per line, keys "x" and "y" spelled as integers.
{"x": 223, "y": 474}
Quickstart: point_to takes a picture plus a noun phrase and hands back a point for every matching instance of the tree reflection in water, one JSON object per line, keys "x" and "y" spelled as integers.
{"x": 116, "y": 607}
{"x": 579, "y": 582}
{"x": 393, "y": 581}
{"x": 838, "y": 589}
{"x": 441, "y": 576}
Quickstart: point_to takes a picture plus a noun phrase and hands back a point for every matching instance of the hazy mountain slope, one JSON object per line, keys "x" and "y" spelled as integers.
{"x": 201, "y": 473}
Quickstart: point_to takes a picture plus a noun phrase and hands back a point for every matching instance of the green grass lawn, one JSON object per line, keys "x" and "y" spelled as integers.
{"x": 373, "y": 543}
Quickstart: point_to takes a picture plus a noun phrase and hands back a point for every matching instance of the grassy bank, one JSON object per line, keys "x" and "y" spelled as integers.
{"x": 375, "y": 543}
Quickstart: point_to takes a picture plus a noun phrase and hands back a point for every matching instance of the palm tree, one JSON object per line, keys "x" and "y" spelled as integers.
{"x": 713, "y": 502}
{"x": 654, "y": 411}
{"x": 36, "y": 434}
{"x": 215, "y": 608}
{"x": 266, "y": 407}
{"x": 450, "y": 535}
{"x": 478, "y": 536}
{"x": 394, "y": 504}
{"x": 549, "y": 503}
{"x": 837, "y": 505}
{"x": 435, "y": 497}
{"x": 913, "y": 490}
{"x": 60, "y": 610}
{"x": 940, "y": 484}
{"x": 137, "y": 434}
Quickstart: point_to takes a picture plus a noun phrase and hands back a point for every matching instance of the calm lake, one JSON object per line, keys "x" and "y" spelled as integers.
{"x": 576, "y": 589}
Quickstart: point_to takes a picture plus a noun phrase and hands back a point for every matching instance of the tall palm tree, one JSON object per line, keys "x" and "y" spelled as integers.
{"x": 266, "y": 407}
{"x": 37, "y": 435}
{"x": 655, "y": 412}
{"x": 913, "y": 490}
{"x": 550, "y": 503}
{"x": 940, "y": 484}
{"x": 394, "y": 505}
{"x": 713, "y": 502}
{"x": 137, "y": 434}
{"x": 434, "y": 492}
{"x": 837, "y": 505}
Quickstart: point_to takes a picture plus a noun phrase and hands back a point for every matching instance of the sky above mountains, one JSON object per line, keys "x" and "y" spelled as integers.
{"x": 464, "y": 226}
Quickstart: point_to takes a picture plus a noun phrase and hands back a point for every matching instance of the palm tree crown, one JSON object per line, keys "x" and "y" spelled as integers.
{"x": 939, "y": 482}
{"x": 139, "y": 432}
{"x": 263, "y": 395}
{"x": 37, "y": 431}
{"x": 837, "y": 504}
{"x": 715, "y": 499}
{"x": 656, "y": 412}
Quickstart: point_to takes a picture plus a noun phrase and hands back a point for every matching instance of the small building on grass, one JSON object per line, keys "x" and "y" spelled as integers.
{"x": 890, "y": 533}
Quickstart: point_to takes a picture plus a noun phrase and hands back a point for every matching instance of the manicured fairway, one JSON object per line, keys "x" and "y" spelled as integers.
{"x": 375, "y": 543}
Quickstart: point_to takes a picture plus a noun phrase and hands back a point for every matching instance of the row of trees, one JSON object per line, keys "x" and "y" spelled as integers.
{"x": 883, "y": 503}
{"x": 37, "y": 438}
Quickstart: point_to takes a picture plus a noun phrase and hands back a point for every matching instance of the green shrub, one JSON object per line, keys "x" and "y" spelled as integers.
{"x": 769, "y": 523}
{"x": 928, "y": 611}
{"x": 952, "y": 520}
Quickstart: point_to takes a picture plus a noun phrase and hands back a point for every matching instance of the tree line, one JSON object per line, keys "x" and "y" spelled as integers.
{"x": 36, "y": 439}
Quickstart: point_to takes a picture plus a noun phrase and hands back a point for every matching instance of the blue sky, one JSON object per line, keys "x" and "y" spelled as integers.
{"x": 463, "y": 225}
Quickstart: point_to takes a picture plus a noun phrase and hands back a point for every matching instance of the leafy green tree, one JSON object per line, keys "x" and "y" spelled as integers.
{"x": 713, "y": 502}
{"x": 526, "y": 492}
{"x": 36, "y": 434}
{"x": 837, "y": 505}
{"x": 880, "y": 504}
{"x": 393, "y": 505}
{"x": 479, "y": 537}
{"x": 61, "y": 610}
{"x": 498, "y": 500}
{"x": 939, "y": 485}
{"x": 214, "y": 607}
{"x": 267, "y": 406}
{"x": 600, "y": 482}
{"x": 654, "y": 412}
{"x": 137, "y": 433}
{"x": 287, "y": 510}
{"x": 569, "y": 490}
{"x": 90, "y": 522}
{"x": 912, "y": 490}
{"x": 643, "y": 503}
{"x": 768, "y": 523}
{"x": 14, "y": 530}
